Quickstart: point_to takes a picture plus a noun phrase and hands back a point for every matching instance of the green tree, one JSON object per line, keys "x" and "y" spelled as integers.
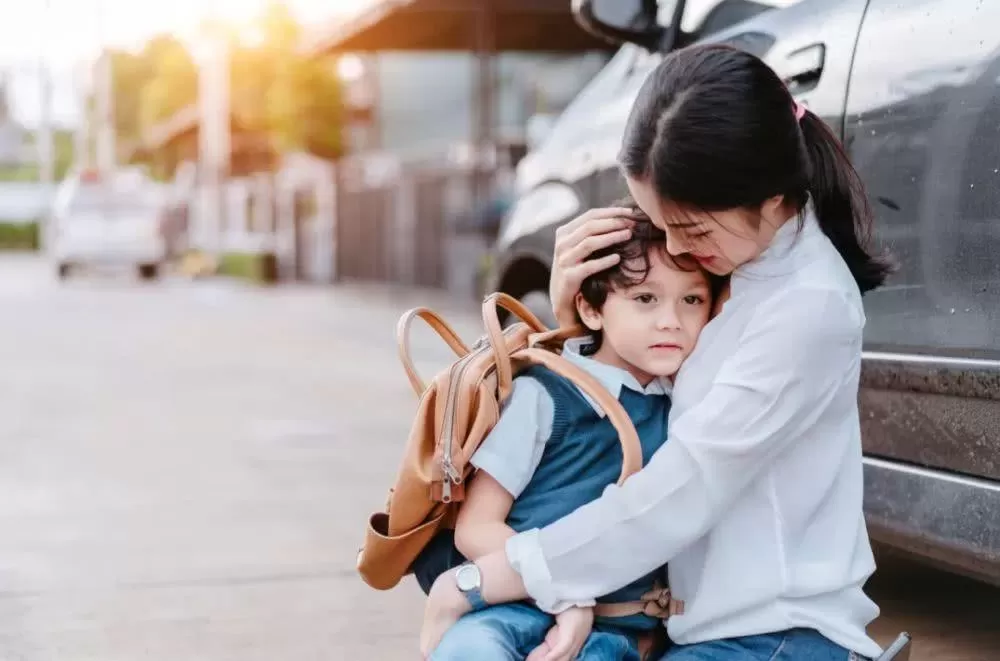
{"x": 298, "y": 98}
{"x": 171, "y": 83}
{"x": 294, "y": 101}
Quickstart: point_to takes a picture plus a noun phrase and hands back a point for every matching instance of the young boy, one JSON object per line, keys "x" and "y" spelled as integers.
{"x": 552, "y": 451}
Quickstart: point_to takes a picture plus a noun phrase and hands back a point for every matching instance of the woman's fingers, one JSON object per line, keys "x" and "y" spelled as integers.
{"x": 603, "y": 213}
{"x": 580, "y": 272}
{"x": 566, "y": 646}
{"x": 570, "y": 235}
{"x": 575, "y": 242}
{"x": 591, "y": 244}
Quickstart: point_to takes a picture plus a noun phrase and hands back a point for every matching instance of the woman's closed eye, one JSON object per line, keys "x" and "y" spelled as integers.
{"x": 696, "y": 232}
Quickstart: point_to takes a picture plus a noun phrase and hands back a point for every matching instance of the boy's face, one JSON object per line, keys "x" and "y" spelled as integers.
{"x": 651, "y": 328}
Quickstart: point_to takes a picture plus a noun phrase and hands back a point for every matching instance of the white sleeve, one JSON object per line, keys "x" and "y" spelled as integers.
{"x": 510, "y": 453}
{"x": 795, "y": 356}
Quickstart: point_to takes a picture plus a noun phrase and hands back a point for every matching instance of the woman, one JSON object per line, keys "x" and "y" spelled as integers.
{"x": 755, "y": 500}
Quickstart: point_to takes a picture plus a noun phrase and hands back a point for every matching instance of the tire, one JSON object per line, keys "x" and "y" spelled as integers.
{"x": 63, "y": 270}
{"x": 537, "y": 301}
{"x": 148, "y": 271}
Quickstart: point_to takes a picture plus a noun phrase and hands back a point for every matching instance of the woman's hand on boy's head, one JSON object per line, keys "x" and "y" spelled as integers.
{"x": 575, "y": 242}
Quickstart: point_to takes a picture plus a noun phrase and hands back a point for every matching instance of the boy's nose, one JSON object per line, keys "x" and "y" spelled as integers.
{"x": 668, "y": 318}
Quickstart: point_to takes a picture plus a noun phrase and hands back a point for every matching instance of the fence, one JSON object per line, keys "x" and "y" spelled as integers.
{"x": 376, "y": 218}
{"x": 382, "y": 220}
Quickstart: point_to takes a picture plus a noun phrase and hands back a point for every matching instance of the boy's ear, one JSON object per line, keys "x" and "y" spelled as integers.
{"x": 590, "y": 317}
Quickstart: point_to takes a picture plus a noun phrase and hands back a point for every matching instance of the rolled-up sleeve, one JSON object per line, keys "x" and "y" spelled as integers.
{"x": 794, "y": 357}
{"x": 512, "y": 450}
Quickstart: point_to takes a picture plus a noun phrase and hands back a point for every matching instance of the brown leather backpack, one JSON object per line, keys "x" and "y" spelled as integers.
{"x": 456, "y": 412}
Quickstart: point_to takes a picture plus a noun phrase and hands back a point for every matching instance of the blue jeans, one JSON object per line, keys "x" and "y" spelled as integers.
{"x": 791, "y": 645}
{"x": 509, "y": 632}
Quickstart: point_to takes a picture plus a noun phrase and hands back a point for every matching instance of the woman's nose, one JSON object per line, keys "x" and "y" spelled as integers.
{"x": 675, "y": 243}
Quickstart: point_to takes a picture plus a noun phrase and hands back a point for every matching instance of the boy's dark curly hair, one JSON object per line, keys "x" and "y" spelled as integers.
{"x": 634, "y": 265}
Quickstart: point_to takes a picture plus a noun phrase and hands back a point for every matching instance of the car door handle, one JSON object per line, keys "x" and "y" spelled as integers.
{"x": 803, "y": 68}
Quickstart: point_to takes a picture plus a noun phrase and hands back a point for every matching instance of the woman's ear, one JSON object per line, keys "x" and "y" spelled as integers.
{"x": 773, "y": 211}
{"x": 590, "y": 317}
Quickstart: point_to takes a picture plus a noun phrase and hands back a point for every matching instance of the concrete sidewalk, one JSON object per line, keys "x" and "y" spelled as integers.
{"x": 191, "y": 465}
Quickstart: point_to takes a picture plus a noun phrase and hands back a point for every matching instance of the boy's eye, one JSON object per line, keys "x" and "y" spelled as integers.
{"x": 693, "y": 299}
{"x": 644, "y": 298}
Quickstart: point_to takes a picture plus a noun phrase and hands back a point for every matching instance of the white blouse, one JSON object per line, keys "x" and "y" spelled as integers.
{"x": 756, "y": 498}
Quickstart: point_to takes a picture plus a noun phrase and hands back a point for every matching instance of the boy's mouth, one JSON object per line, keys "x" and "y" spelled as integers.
{"x": 666, "y": 346}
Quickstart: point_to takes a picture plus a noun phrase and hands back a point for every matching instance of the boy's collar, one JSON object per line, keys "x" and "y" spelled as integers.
{"x": 611, "y": 377}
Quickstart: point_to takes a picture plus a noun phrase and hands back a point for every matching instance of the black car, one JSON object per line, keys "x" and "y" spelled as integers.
{"x": 913, "y": 88}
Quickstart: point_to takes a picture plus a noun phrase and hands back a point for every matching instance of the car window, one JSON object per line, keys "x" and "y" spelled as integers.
{"x": 578, "y": 114}
{"x": 705, "y": 17}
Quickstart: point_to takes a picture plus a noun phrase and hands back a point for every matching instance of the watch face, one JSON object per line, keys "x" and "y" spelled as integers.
{"x": 467, "y": 577}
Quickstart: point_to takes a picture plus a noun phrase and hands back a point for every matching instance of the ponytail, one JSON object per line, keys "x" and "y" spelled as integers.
{"x": 841, "y": 203}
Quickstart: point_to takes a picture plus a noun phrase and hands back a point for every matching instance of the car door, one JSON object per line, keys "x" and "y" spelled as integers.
{"x": 923, "y": 130}
{"x": 606, "y": 183}
{"x": 808, "y": 42}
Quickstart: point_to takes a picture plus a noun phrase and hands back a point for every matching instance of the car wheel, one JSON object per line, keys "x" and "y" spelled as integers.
{"x": 538, "y": 303}
{"x": 149, "y": 271}
{"x": 63, "y": 270}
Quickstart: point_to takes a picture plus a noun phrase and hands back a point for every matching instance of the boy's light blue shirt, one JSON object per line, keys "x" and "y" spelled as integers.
{"x": 512, "y": 451}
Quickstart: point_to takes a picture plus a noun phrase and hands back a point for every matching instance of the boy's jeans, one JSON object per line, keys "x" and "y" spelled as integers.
{"x": 509, "y": 632}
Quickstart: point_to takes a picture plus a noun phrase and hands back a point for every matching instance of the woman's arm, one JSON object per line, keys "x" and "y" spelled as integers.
{"x": 791, "y": 362}
{"x": 482, "y": 520}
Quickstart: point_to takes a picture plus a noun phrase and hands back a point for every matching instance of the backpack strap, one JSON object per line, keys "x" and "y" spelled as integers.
{"x": 631, "y": 448}
{"x": 439, "y": 325}
{"x": 554, "y": 339}
{"x": 494, "y": 332}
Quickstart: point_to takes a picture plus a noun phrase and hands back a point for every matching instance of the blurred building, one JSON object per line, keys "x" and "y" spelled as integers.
{"x": 442, "y": 100}
{"x": 424, "y": 102}
{"x": 15, "y": 149}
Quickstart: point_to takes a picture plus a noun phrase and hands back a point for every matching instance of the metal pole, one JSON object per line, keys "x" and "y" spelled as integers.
{"x": 485, "y": 47}
{"x": 81, "y": 136}
{"x": 106, "y": 156}
{"x": 46, "y": 174}
{"x": 46, "y": 169}
{"x": 213, "y": 132}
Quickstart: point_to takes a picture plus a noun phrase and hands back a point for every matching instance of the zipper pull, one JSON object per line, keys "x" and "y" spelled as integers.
{"x": 450, "y": 471}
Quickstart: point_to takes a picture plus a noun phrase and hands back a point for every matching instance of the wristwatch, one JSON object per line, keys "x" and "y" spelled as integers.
{"x": 469, "y": 580}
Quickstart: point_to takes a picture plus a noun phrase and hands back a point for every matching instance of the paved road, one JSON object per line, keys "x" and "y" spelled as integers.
{"x": 185, "y": 469}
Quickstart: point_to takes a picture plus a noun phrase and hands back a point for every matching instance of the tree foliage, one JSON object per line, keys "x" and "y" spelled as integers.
{"x": 275, "y": 90}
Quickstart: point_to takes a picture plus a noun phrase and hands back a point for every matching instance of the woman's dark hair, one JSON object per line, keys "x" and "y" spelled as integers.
{"x": 634, "y": 264}
{"x": 714, "y": 128}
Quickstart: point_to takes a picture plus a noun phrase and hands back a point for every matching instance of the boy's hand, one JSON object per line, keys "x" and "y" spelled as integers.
{"x": 565, "y": 640}
{"x": 444, "y": 606}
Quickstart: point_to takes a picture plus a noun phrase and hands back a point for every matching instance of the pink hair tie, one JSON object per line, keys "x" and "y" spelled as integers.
{"x": 800, "y": 111}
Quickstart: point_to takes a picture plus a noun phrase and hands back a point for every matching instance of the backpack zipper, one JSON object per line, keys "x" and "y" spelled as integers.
{"x": 452, "y": 476}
